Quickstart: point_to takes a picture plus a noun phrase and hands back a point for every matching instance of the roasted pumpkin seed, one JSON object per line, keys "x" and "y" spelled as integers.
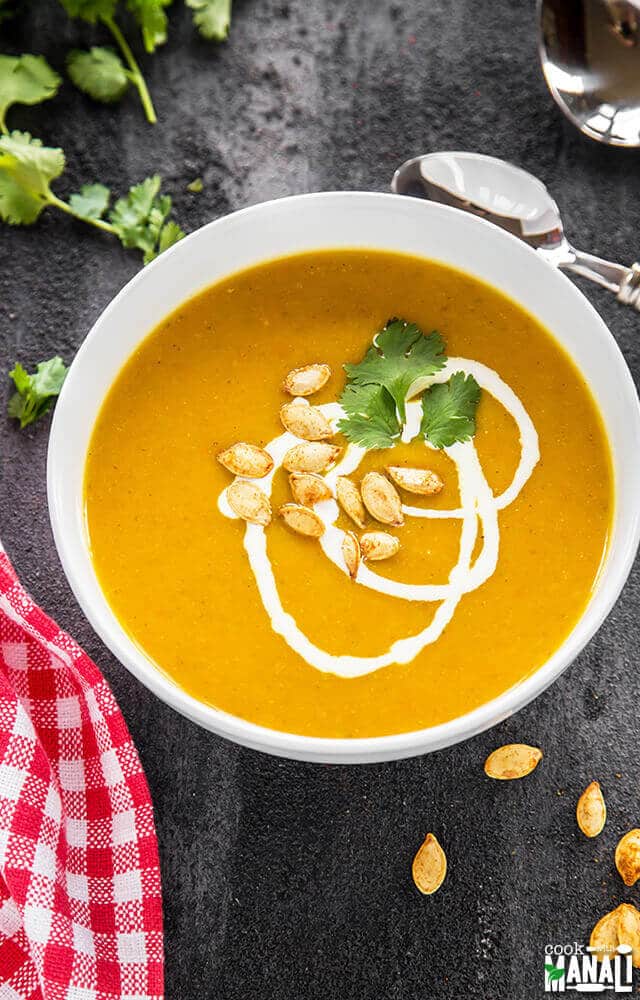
{"x": 313, "y": 456}
{"x": 305, "y": 381}
{"x": 514, "y": 760}
{"x": 348, "y": 496}
{"x": 378, "y": 545}
{"x": 248, "y": 460}
{"x": 302, "y": 520}
{"x": 629, "y": 930}
{"x": 604, "y": 937}
{"x": 429, "y": 866}
{"x": 308, "y": 489}
{"x": 424, "y": 482}
{"x": 381, "y": 499}
{"x": 628, "y": 857}
{"x": 249, "y": 502}
{"x": 351, "y": 553}
{"x": 591, "y": 811}
{"x": 305, "y": 421}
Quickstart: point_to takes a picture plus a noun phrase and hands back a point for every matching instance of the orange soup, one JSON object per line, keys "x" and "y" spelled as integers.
{"x": 359, "y": 551}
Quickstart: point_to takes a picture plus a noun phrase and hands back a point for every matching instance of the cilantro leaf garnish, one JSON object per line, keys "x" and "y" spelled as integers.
{"x": 100, "y": 73}
{"x": 35, "y": 393}
{"x": 169, "y": 234}
{"x": 91, "y": 202}
{"x": 449, "y": 410}
{"x": 400, "y": 355}
{"x": 94, "y": 77}
{"x": 26, "y": 171}
{"x": 371, "y": 420}
{"x": 27, "y": 168}
{"x": 211, "y": 17}
{"x": 139, "y": 219}
{"x": 25, "y": 79}
{"x": 152, "y": 21}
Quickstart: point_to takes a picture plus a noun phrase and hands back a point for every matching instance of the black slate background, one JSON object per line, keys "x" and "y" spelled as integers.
{"x": 286, "y": 880}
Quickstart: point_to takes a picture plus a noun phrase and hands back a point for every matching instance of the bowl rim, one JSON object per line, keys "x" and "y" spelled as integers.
{"x": 330, "y": 749}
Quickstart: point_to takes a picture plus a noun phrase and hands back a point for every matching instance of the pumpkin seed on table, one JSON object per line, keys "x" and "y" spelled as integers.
{"x": 629, "y": 930}
{"x": 349, "y": 498}
{"x": 514, "y": 760}
{"x": 351, "y": 553}
{"x": 378, "y": 545}
{"x": 381, "y": 499}
{"x": 312, "y": 456}
{"x": 305, "y": 421}
{"x": 423, "y": 482}
{"x": 605, "y": 936}
{"x": 249, "y": 502}
{"x": 627, "y": 857}
{"x": 243, "y": 459}
{"x": 307, "y": 488}
{"x": 302, "y": 520}
{"x": 429, "y": 866}
{"x": 591, "y": 811}
{"x": 305, "y": 381}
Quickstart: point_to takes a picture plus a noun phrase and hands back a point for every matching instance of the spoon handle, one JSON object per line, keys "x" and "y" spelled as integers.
{"x": 623, "y": 281}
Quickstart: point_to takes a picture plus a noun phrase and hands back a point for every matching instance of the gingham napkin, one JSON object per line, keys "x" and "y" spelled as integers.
{"x": 80, "y": 898}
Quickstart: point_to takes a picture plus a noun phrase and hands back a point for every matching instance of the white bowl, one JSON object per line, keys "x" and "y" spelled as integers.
{"x": 311, "y": 222}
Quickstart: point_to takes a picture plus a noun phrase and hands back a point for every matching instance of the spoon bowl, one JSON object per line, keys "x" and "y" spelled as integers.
{"x": 515, "y": 200}
{"x": 590, "y": 57}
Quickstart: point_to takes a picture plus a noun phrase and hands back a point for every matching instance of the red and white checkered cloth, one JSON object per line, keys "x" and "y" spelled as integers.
{"x": 80, "y": 897}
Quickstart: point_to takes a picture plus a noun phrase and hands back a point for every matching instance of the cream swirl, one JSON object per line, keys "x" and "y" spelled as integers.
{"x": 478, "y": 508}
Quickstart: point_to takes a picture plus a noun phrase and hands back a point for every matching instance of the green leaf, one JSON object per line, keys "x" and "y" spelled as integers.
{"x": 91, "y": 202}
{"x": 140, "y": 219}
{"x": 25, "y": 80}
{"x": 35, "y": 393}
{"x": 100, "y": 73}
{"x": 152, "y": 20}
{"x": 196, "y": 185}
{"x": 400, "y": 355}
{"x": 26, "y": 171}
{"x": 90, "y": 10}
{"x": 371, "y": 420}
{"x": 449, "y": 410}
{"x": 171, "y": 233}
{"x": 132, "y": 212}
{"x": 211, "y": 17}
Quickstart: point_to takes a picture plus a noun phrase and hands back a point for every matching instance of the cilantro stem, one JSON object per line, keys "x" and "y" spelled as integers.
{"x": 65, "y": 207}
{"x": 136, "y": 73}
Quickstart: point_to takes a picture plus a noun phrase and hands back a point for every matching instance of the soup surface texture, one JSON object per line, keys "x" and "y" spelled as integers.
{"x": 197, "y": 590}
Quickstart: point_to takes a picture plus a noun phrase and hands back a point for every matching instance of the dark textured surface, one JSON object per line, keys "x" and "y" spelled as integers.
{"x": 286, "y": 880}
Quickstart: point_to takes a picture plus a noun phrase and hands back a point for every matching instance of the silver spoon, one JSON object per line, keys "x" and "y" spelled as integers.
{"x": 590, "y": 56}
{"x": 516, "y": 201}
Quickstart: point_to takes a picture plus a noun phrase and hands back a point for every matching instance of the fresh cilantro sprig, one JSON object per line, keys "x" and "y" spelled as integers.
{"x": 401, "y": 359}
{"x": 35, "y": 393}
{"x": 449, "y": 410}
{"x": 25, "y": 79}
{"x": 101, "y": 73}
{"x": 27, "y": 169}
{"x": 371, "y": 420}
{"x": 104, "y": 74}
{"x": 400, "y": 355}
{"x": 211, "y": 17}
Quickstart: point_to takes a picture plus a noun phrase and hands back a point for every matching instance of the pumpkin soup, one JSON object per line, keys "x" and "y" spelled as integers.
{"x": 348, "y": 493}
